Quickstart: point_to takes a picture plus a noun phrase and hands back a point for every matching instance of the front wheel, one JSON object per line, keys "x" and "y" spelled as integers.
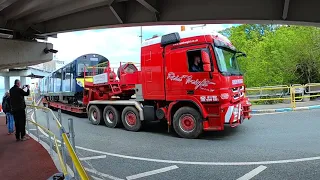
{"x": 131, "y": 119}
{"x": 94, "y": 115}
{"x": 187, "y": 122}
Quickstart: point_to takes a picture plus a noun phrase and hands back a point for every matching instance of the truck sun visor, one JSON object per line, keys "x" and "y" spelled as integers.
{"x": 171, "y": 38}
{"x": 219, "y": 43}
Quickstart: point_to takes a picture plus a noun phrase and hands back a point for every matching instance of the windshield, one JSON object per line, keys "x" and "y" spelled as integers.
{"x": 81, "y": 67}
{"x": 227, "y": 61}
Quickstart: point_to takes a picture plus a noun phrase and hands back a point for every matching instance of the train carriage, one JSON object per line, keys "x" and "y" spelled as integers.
{"x": 66, "y": 84}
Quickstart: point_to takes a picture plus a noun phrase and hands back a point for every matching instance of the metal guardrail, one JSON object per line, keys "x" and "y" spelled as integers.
{"x": 293, "y": 93}
{"x": 66, "y": 145}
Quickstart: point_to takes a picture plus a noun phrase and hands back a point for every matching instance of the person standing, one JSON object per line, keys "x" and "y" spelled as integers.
{"x": 6, "y": 104}
{"x": 18, "y": 106}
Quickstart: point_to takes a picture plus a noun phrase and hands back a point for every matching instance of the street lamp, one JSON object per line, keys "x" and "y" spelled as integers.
{"x": 201, "y": 26}
{"x": 141, "y": 34}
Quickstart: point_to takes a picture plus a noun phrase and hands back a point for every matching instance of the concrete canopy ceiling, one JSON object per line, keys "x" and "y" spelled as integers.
{"x": 48, "y": 17}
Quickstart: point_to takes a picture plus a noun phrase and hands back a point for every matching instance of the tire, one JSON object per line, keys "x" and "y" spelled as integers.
{"x": 131, "y": 119}
{"x": 111, "y": 117}
{"x": 187, "y": 123}
{"x": 95, "y": 115}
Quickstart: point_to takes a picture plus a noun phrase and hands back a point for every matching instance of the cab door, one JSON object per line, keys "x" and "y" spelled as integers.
{"x": 190, "y": 73}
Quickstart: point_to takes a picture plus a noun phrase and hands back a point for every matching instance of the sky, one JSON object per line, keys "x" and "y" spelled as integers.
{"x": 116, "y": 44}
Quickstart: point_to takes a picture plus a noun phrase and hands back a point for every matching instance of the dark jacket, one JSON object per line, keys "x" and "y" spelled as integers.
{"x": 6, "y": 104}
{"x": 17, "y": 98}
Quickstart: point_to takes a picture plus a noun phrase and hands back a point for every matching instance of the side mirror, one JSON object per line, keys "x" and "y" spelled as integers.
{"x": 205, "y": 57}
{"x": 206, "y": 61}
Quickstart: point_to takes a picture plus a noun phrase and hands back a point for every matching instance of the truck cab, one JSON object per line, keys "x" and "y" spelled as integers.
{"x": 199, "y": 70}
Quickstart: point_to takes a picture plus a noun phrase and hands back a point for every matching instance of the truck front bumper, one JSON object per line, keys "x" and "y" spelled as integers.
{"x": 232, "y": 114}
{"x": 235, "y": 114}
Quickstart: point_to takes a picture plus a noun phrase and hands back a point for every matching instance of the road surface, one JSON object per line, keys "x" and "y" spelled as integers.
{"x": 273, "y": 146}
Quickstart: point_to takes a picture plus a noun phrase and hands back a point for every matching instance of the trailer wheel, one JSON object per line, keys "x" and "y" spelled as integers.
{"x": 187, "y": 122}
{"x": 95, "y": 115}
{"x": 111, "y": 116}
{"x": 131, "y": 119}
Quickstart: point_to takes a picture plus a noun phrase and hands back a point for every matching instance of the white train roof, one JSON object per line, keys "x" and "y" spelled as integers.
{"x": 186, "y": 34}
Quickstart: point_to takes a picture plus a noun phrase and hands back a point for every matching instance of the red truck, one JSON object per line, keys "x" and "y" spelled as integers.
{"x": 191, "y": 80}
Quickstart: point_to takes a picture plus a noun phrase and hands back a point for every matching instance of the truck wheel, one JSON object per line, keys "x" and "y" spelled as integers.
{"x": 131, "y": 119}
{"x": 95, "y": 115}
{"x": 187, "y": 122}
{"x": 111, "y": 116}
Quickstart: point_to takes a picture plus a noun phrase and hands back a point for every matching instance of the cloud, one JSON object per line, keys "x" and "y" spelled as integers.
{"x": 117, "y": 44}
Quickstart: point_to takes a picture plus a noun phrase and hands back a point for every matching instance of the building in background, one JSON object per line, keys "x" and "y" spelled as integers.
{"x": 51, "y": 65}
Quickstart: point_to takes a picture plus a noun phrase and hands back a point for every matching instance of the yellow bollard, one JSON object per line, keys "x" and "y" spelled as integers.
{"x": 293, "y": 97}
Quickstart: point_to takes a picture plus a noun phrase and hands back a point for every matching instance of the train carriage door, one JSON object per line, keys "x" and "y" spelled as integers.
{"x": 54, "y": 84}
{"x": 63, "y": 74}
{"x": 49, "y": 83}
{"x": 73, "y": 76}
{"x": 60, "y": 79}
{"x": 68, "y": 78}
{"x": 46, "y": 84}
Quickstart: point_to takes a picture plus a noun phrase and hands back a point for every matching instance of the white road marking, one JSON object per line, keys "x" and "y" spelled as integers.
{"x": 149, "y": 173}
{"x": 32, "y": 129}
{"x": 102, "y": 174}
{"x": 92, "y": 157}
{"x": 195, "y": 162}
{"x": 203, "y": 163}
{"x": 252, "y": 173}
{"x": 96, "y": 178}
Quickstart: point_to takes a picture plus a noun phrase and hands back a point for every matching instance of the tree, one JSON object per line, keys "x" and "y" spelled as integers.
{"x": 277, "y": 54}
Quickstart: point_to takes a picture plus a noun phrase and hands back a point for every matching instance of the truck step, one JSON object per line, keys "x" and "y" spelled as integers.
{"x": 213, "y": 115}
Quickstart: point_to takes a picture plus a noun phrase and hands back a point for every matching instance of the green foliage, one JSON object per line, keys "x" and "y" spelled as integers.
{"x": 277, "y": 54}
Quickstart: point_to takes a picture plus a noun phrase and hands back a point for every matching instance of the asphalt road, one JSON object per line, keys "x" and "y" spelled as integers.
{"x": 273, "y": 146}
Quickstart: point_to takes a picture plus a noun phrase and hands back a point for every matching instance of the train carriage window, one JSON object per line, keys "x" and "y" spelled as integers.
{"x": 67, "y": 77}
{"x": 73, "y": 69}
{"x": 68, "y": 72}
{"x": 64, "y": 73}
{"x": 58, "y": 74}
{"x": 81, "y": 67}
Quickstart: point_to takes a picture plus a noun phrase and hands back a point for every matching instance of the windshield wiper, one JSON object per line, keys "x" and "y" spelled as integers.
{"x": 226, "y": 73}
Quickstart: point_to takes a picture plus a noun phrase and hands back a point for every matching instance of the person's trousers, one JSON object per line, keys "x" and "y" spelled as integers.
{"x": 20, "y": 122}
{"x": 10, "y": 122}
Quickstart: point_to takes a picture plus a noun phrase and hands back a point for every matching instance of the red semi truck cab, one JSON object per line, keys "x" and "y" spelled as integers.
{"x": 190, "y": 79}
{"x": 196, "y": 69}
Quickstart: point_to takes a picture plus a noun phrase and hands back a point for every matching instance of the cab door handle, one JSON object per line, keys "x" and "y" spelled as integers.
{"x": 190, "y": 92}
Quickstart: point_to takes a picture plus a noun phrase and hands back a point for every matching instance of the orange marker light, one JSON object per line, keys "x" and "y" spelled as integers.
{"x": 183, "y": 28}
